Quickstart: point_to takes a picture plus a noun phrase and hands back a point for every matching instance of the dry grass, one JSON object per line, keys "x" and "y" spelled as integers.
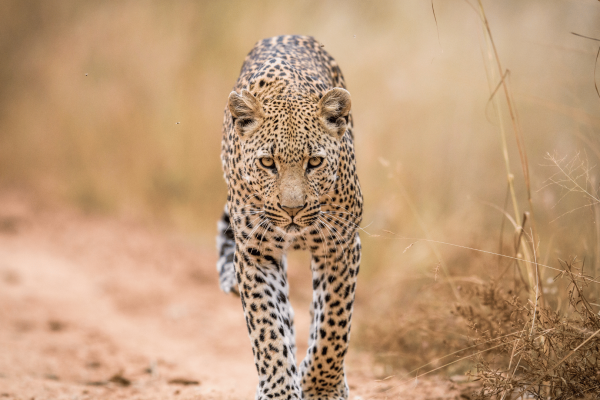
{"x": 514, "y": 336}
{"x": 548, "y": 354}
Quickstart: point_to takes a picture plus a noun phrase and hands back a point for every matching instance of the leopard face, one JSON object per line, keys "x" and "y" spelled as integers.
{"x": 290, "y": 148}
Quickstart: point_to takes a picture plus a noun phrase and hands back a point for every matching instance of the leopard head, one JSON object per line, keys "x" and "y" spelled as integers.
{"x": 290, "y": 144}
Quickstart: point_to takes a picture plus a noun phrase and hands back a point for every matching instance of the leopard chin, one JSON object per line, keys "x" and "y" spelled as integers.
{"x": 293, "y": 228}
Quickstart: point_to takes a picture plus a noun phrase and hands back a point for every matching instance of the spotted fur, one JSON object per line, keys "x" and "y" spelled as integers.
{"x": 288, "y": 160}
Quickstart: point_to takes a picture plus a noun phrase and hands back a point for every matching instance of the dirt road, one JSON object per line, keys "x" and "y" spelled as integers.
{"x": 99, "y": 308}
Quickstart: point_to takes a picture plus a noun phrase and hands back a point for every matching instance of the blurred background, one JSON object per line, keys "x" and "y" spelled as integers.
{"x": 115, "y": 108}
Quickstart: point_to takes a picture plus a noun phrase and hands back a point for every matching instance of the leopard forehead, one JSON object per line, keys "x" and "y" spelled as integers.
{"x": 290, "y": 130}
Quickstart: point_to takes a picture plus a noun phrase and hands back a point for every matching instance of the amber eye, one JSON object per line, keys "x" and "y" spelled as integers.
{"x": 314, "y": 162}
{"x": 267, "y": 162}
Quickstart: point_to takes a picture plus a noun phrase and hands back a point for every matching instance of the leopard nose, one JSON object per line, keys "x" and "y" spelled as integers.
{"x": 292, "y": 211}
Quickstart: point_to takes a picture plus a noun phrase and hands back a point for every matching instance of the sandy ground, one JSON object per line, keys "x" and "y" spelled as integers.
{"x": 98, "y": 308}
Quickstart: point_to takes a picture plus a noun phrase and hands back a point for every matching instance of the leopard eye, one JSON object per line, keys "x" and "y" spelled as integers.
{"x": 314, "y": 162}
{"x": 244, "y": 122}
{"x": 267, "y": 162}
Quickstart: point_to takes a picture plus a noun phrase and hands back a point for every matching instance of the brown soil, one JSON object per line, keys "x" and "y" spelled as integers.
{"x": 101, "y": 308}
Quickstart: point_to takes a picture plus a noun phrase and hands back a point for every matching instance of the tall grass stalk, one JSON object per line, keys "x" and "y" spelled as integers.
{"x": 595, "y": 206}
{"x": 533, "y": 273}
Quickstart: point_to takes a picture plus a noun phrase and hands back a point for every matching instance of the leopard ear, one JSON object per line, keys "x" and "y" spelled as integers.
{"x": 246, "y": 112}
{"x": 334, "y": 108}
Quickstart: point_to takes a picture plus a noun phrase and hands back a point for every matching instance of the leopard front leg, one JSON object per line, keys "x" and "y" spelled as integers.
{"x": 263, "y": 287}
{"x": 322, "y": 373}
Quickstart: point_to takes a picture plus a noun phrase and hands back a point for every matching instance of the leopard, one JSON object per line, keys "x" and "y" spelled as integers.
{"x": 289, "y": 164}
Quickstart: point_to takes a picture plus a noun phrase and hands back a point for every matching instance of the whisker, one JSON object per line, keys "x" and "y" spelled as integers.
{"x": 249, "y": 213}
{"x": 249, "y": 195}
{"x": 252, "y": 222}
{"x": 344, "y": 253}
{"x": 322, "y": 236}
{"x": 254, "y": 207}
{"x": 266, "y": 228}
{"x": 331, "y": 223}
{"x": 329, "y": 228}
{"x": 263, "y": 235}
{"x": 350, "y": 222}
{"x": 327, "y": 194}
{"x": 342, "y": 240}
{"x": 252, "y": 231}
